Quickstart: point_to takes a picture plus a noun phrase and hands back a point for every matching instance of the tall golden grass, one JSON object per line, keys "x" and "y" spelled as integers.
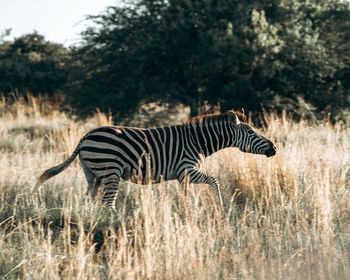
{"x": 285, "y": 217}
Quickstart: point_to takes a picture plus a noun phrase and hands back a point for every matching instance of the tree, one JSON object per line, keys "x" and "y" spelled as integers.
{"x": 303, "y": 52}
{"x": 241, "y": 54}
{"x": 177, "y": 51}
{"x": 31, "y": 64}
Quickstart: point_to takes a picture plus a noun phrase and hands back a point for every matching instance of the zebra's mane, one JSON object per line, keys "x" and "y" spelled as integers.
{"x": 207, "y": 118}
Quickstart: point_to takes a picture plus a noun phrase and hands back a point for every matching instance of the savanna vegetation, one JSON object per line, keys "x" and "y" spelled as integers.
{"x": 148, "y": 63}
{"x": 285, "y": 217}
{"x": 283, "y": 54}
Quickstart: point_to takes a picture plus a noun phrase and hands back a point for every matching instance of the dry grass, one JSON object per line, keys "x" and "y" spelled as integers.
{"x": 286, "y": 217}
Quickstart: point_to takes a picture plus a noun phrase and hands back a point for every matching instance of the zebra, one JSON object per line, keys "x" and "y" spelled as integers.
{"x": 151, "y": 155}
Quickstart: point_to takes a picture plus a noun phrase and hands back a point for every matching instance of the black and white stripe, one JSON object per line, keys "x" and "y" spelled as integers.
{"x": 145, "y": 156}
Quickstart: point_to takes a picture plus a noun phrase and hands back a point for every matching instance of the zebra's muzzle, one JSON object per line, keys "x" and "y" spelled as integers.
{"x": 271, "y": 151}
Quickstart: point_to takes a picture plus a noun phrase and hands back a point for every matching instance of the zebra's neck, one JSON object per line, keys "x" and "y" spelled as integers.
{"x": 210, "y": 137}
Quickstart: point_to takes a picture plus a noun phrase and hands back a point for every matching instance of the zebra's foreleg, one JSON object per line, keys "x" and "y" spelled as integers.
{"x": 212, "y": 181}
{"x": 197, "y": 176}
{"x": 110, "y": 191}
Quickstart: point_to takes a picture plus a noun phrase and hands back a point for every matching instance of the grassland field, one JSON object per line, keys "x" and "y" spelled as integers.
{"x": 284, "y": 217}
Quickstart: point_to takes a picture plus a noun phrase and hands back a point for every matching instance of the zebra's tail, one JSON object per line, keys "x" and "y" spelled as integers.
{"x": 47, "y": 174}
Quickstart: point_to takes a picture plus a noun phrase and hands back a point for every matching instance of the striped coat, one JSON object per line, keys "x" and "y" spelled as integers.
{"x": 143, "y": 156}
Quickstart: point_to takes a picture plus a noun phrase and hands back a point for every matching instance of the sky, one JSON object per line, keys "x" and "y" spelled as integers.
{"x": 60, "y": 21}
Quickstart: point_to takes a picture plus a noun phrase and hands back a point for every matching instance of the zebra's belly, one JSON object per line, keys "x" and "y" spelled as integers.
{"x": 139, "y": 177}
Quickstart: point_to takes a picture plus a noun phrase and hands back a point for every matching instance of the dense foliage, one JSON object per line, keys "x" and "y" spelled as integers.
{"x": 275, "y": 53}
{"x": 284, "y": 54}
{"x": 31, "y": 64}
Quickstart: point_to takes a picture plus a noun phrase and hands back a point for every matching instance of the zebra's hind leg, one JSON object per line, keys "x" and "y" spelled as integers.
{"x": 110, "y": 191}
{"x": 93, "y": 181}
{"x": 96, "y": 184}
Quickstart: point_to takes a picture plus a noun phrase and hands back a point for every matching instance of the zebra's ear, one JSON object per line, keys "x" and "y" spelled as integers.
{"x": 233, "y": 118}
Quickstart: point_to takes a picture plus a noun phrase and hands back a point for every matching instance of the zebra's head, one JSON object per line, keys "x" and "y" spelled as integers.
{"x": 248, "y": 140}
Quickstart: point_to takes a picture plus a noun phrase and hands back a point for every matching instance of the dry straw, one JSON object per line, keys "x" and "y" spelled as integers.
{"x": 286, "y": 217}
